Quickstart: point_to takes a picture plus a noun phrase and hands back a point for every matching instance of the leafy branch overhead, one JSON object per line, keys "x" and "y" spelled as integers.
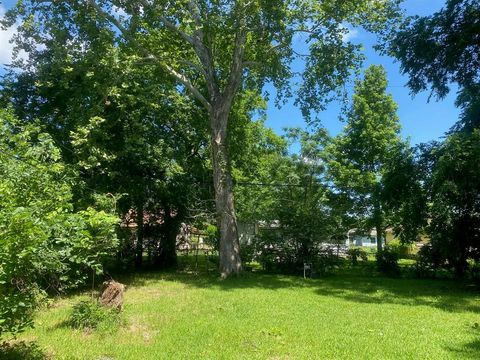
{"x": 212, "y": 48}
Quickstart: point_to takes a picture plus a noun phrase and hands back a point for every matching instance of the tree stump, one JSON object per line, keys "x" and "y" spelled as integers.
{"x": 112, "y": 295}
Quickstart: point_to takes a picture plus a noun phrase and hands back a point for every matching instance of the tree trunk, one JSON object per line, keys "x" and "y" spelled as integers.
{"x": 377, "y": 216}
{"x": 379, "y": 238}
{"x": 139, "y": 245}
{"x": 378, "y": 226}
{"x": 167, "y": 258}
{"x": 230, "y": 261}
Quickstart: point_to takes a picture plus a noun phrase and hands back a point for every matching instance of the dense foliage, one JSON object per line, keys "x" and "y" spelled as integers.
{"x": 455, "y": 201}
{"x": 441, "y": 49}
{"x": 360, "y": 155}
{"x": 45, "y": 244}
{"x": 437, "y": 51}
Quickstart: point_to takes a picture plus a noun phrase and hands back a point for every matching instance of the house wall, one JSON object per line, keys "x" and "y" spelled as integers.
{"x": 367, "y": 241}
{"x": 246, "y": 232}
{"x": 390, "y": 236}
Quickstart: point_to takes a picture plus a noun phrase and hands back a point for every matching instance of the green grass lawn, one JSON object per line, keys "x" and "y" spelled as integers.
{"x": 256, "y": 316}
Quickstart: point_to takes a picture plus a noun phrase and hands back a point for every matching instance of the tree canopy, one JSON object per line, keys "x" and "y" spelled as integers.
{"x": 212, "y": 50}
{"x": 441, "y": 49}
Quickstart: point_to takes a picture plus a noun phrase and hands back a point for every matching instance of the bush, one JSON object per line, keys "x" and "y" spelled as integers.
{"x": 325, "y": 262}
{"x": 428, "y": 261}
{"x": 403, "y": 250}
{"x": 474, "y": 269}
{"x": 213, "y": 236}
{"x": 271, "y": 251}
{"x": 355, "y": 253}
{"x": 387, "y": 262}
{"x": 45, "y": 244}
{"x": 247, "y": 252}
{"x": 89, "y": 314}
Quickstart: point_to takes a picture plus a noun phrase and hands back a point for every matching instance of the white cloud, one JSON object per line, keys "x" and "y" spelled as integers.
{"x": 6, "y": 47}
{"x": 350, "y": 34}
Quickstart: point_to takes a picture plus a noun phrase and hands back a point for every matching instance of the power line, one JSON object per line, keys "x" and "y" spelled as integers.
{"x": 278, "y": 185}
{"x": 268, "y": 185}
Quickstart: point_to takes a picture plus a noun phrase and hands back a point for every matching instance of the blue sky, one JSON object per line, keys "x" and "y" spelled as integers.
{"x": 421, "y": 120}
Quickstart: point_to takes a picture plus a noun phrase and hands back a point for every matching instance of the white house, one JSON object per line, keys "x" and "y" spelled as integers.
{"x": 356, "y": 238}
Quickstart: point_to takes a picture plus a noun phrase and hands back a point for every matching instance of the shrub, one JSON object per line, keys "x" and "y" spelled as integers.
{"x": 355, "y": 253}
{"x": 213, "y": 236}
{"x": 429, "y": 260}
{"x": 247, "y": 252}
{"x": 387, "y": 262}
{"x": 271, "y": 251}
{"x": 403, "y": 250}
{"x": 325, "y": 262}
{"x": 44, "y": 243}
{"x": 474, "y": 269}
{"x": 89, "y": 314}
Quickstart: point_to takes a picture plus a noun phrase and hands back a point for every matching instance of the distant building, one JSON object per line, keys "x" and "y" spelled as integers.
{"x": 356, "y": 237}
{"x": 247, "y": 231}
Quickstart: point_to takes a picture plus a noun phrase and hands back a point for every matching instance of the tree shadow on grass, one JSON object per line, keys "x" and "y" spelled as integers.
{"x": 212, "y": 280}
{"x": 447, "y": 295}
{"x": 21, "y": 350}
{"x": 469, "y": 350}
{"x": 63, "y": 324}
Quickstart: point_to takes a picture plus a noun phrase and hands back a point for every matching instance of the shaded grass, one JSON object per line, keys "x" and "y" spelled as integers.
{"x": 258, "y": 316}
{"x": 21, "y": 350}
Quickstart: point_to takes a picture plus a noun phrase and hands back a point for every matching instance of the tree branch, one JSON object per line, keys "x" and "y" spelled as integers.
{"x": 178, "y": 76}
{"x": 171, "y": 26}
{"x": 196, "y": 41}
{"x": 195, "y": 12}
{"x": 236, "y": 70}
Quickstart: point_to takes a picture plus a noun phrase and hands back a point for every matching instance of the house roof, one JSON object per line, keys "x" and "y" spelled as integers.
{"x": 373, "y": 232}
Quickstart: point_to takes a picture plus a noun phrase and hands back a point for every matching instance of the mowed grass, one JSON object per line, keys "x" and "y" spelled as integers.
{"x": 258, "y": 316}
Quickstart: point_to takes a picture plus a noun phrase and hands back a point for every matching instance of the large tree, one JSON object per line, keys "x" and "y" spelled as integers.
{"x": 213, "y": 49}
{"x": 359, "y": 155}
{"x": 437, "y": 51}
{"x": 455, "y": 200}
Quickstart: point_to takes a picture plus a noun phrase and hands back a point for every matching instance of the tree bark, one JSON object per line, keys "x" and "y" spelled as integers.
{"x": 377, "y": 216}
{"x": 167, "y": 258}
{"x": 230, "y": 261}
{"x": 378, "y": 227}
{"x": 379, "y": 238}
{"x": 139, "y": 245}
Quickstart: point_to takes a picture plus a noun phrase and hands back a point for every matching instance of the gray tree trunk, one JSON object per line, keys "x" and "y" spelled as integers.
{"x": 378, "y": 226}
{"x": 230, "y": 261}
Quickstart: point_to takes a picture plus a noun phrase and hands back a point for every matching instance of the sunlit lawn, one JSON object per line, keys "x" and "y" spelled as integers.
{"x": 256, "y": 316}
